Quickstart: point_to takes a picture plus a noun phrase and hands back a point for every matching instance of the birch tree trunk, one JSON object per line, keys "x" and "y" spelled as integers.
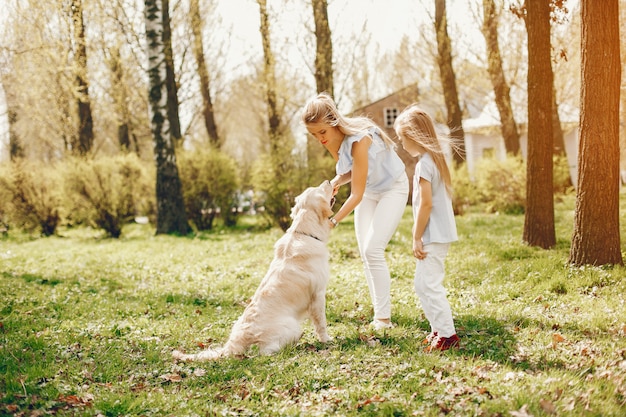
{"x": 171, "y": 216}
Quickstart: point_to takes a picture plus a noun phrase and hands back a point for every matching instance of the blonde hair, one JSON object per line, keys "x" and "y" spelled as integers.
{"x": 415, "y": 124}
{"x": 322, "y": 109}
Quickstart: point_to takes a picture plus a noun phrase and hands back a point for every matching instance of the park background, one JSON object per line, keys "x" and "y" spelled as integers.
{"x": 135, "y": 175}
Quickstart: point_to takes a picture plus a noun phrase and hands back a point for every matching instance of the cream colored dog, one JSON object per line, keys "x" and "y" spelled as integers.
{"x": 293, "y": 289}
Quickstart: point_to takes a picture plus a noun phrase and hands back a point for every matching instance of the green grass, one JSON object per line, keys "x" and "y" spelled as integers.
{"x": 87, "y": 326}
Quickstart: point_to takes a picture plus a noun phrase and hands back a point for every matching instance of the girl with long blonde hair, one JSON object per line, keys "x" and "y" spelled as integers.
{"x": 434, "y": 227}
{"x": 379, "y": 188}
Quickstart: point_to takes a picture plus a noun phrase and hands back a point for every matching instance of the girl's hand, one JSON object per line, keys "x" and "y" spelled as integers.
{"x": 418, "y": 249}
{"x": 335, "y": 186}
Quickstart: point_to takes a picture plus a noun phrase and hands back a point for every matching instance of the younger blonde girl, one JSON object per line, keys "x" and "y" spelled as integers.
{"x": 434, "y": 227}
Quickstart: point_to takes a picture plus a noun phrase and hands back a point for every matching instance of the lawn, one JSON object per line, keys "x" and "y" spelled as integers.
{"x": 87, "y": 325}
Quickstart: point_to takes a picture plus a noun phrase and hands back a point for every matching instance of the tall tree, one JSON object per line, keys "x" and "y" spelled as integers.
{"x": 120, "y": 99}
{"x": 170, "y": 76}
{"x": 539, "y": 219}
{"x": 171, "y": 215}
{"x": 596, "y": 239}
{"x": 85, "y": 129}
{"x": 269, "y": 72}
{"x": 278, "y": 202}
{"x": 197, "y": 24}
{"x": 448, "y": 80}
{"x": 323, "y": 48}
{"x": 501, "y": 88}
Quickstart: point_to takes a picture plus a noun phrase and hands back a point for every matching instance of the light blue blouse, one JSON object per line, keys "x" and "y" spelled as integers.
{"x": 384, "y": 166}
{"x": 441, "y": 226}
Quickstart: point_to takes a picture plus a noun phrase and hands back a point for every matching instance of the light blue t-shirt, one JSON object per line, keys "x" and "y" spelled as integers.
{"x": 384, "y": 166}
{"x": 441, "y": 227}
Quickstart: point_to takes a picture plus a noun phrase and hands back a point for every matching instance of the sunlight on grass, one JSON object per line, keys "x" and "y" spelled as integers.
{"x": 87, "y": 325}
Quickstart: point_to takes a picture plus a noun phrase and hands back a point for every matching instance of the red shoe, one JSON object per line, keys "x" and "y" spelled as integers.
{"x": 429, "y": 339}
{"x": 443, "y": 343}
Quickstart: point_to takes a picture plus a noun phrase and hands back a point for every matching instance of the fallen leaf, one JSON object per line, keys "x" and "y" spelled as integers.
{"x": 74, "y": 400}
{"x": 547, "y": 406}
{"x": 199, "y": 372}
{"x": 556, "y": 339}
{"x": 375, "y": 399}
{"x": 522, "y": 412}
{"x": 171, "y": 377}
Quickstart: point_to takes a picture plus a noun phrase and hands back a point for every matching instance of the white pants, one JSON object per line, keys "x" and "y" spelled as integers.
{"x": 375, "y": 221}
{"x": 429, "y": 275}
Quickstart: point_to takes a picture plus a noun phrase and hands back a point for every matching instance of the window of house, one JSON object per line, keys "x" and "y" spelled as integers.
{"x": 390, "y": 115}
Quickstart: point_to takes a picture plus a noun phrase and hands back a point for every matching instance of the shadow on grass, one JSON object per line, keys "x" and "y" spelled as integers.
{"x": 481, "y": 337}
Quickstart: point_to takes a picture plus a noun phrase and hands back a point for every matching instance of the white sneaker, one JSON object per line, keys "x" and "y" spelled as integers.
{"x": 380, "y": 325}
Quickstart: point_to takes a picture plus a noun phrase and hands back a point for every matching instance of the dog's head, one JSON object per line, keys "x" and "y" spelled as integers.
{"x": 316, "y": 199}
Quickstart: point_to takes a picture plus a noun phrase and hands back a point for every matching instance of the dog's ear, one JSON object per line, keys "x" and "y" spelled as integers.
{"x": 300, "y": 202}
{"x": 322, "y": 205}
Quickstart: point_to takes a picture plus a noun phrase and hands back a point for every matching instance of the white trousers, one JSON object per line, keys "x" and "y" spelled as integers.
{"x": 376, "y": 219}
{"x": 429, "y": 275}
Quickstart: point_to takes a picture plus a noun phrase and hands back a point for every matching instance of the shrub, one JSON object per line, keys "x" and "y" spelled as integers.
{"x": 562, "y": 179}
{"x": 464, "y": 192}
{"x": 31, "y": 196}
{"x": 502, "y": 184}
{"x": 210, "y": 180}
{"x": 280, "y": 181}
{"x": 109, "y": 192}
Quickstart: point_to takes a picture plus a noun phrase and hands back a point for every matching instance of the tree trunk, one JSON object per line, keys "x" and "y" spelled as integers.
{"x": 16, "y": 151}
{"x": 323, "y": 48}
{"x": 85, "y": 129}
{"x": 170, "y": 78}
{"x": 120, "y": 98}
{"x": 539, "y": 220}
{"x": 270, "y": 78}
{"x": 448, "y": 81}
{"x": 171, "y": 216}
{"x": 501, "y": 89}
{"x": 198, "y": 48}
{"x": 596, "y": 237}
{"x": 559, "y": 139}
{"x": 278, "y": 201}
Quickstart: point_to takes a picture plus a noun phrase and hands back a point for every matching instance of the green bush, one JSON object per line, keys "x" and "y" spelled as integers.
{"x": 502, "y": 184}
{"x": 280, "y": 181}
{"x": 562, "y": 179}
{"x": 210, "y": 180}
{"x": 31, "y": 196}
{"x": 109, "y": 192}
{"x": 464, "y": 192}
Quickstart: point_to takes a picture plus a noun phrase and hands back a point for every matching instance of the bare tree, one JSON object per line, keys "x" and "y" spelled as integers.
{"x": 197, "y": 24}
{"x": 85, "y": 129}
{"x": 170, "y": 77}
{"x": 501, "y": 89}
{"x": 269, "y": 72}
{"x": 539, "y": 220}
{"x": 323, "y": 48}
{"x": 448, "y": 81}
{"x": 596, "y": 237}
{"x": 171, "y": 215}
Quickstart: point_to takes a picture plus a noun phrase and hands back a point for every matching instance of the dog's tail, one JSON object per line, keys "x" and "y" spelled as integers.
{"x": 203, "y": 356}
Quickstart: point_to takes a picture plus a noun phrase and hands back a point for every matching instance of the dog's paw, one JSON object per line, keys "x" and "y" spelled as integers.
{"x": 325, "y": 338}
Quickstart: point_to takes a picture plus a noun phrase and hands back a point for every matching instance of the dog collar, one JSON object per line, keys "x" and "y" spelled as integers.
{"x": 307, "y": 234}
